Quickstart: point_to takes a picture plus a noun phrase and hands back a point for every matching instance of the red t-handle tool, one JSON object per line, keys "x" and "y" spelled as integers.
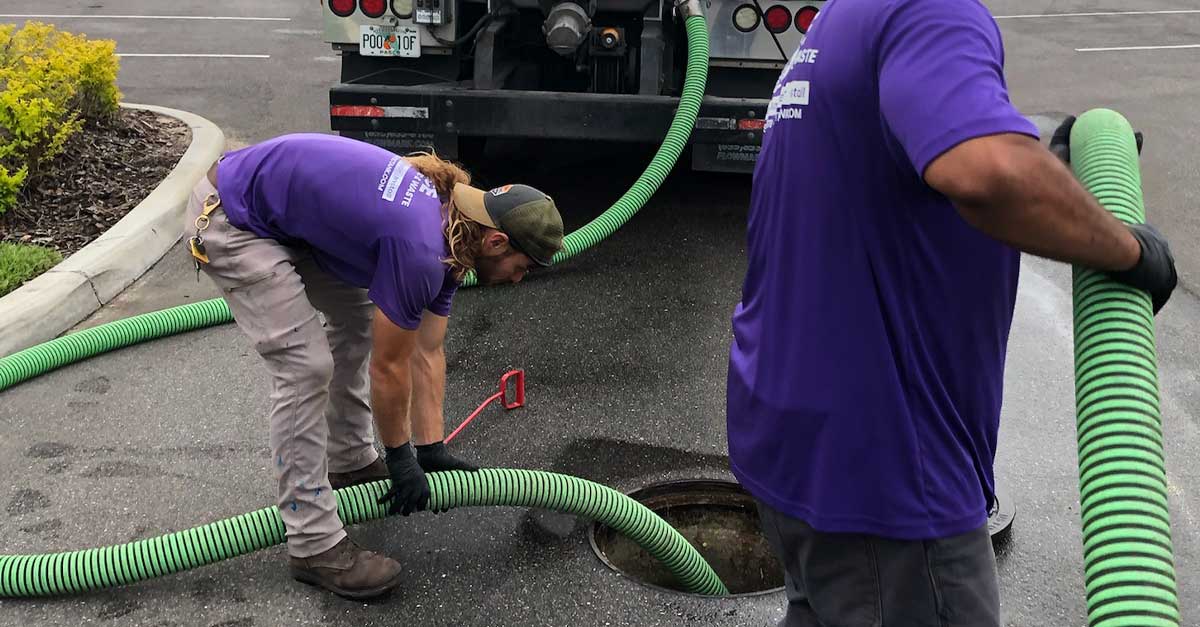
{"x": 502, "y": 395}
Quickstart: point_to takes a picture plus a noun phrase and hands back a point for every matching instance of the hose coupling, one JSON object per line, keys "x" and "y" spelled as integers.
{"x": 688, "y": 8}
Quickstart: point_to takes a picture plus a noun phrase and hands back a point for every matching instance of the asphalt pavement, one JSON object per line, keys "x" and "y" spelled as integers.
{"x": 624, "y": 349}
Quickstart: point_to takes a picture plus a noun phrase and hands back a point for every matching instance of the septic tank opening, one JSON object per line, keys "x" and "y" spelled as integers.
{"x": 718, "y": 518}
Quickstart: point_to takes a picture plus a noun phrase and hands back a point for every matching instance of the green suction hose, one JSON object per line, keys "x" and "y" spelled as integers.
{"x": 94, "y": 569}
{"x": 39, "y": 359}
{"x": 1128, "y": 561}
{"x": 68, "y": 349}
{"x": 660, "y": 166}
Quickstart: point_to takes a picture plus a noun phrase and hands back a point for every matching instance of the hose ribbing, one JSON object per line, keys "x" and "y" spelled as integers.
{"x": 52, "y": 574}
{"x": 1128, "y": 559}
{"x": 68, "y": 349}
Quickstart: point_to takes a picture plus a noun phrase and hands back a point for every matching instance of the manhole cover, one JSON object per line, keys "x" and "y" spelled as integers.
{"x": 718, "y": 518}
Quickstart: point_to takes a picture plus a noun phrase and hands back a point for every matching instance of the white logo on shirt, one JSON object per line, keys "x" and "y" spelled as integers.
{"x": 418, "y": 184}
{"x": 794, "y": 93}
{"x": 389, "y": 182}
{"x": 790, "y": 95}
{"x": 787, "y": 103}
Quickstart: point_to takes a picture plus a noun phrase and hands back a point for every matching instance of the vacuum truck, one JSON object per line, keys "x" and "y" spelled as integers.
{"x": 447, "y": 75}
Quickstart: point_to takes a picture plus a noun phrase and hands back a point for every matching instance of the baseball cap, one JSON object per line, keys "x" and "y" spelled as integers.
{"x": 527, "y": 216}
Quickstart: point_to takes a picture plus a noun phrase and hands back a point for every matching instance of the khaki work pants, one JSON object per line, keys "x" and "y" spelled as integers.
{"x": 320, "y": 418}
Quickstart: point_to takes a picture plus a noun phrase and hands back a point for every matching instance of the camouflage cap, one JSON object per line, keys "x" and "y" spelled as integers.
{"x": 527, "y": 216}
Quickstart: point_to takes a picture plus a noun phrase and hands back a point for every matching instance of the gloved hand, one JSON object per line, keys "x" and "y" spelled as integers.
{"x": 1060, "y": 142}
{"x": 434, "y": 458}
{"x": 410, "y": 490}
{"x": 1155, "y": 269}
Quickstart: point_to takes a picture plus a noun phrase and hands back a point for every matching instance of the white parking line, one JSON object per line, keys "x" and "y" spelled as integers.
{"x": 1125, "y": 48}
{"x": 1097, "y": 14}
{"x": 147, "y": 17}
{"x": 194, "y": 56}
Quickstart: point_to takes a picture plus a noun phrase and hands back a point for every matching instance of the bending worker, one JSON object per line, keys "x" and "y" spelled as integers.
{"x": 378, "y": 244}
{"x": 896, "y": 187}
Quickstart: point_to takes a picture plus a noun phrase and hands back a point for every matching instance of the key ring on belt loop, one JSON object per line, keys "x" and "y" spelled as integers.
{"x": 210, "y": 204}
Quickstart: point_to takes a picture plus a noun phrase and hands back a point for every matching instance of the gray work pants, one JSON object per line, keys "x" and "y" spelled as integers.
{"x": 320, "y": 419}
{"x": 856, "y": 580}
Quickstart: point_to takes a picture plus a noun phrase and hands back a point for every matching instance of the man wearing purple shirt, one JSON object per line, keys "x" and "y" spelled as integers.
{"x": 378, "y": 244}
{"x": 895, "y": 188}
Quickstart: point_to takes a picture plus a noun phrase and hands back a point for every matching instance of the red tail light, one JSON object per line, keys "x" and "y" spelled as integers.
{"x": 805, "y": 17}
{"x": 751, "y": 124}
{"x": 778, "y": 18}
{"x": 341, "y": 8}
{"x": 373, "y": 8}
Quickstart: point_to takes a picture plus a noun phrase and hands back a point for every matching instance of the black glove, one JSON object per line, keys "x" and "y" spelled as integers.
{"x": 434, "y": 458}
{"x": 410, "y": 490}
{"x": 1060, "y": 142}
{"x": 1155, "y": 269}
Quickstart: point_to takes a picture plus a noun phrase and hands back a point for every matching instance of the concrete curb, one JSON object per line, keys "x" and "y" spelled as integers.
{"x": 66, "y": 294}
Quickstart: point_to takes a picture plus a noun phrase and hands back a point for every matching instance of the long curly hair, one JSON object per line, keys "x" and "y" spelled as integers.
{"x": 464, "y": 236}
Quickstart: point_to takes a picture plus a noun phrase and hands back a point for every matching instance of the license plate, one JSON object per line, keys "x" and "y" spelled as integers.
{"x": 389, "y": 41}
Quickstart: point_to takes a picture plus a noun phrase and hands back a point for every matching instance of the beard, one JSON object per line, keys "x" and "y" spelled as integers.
{"x": 488, "y": 269}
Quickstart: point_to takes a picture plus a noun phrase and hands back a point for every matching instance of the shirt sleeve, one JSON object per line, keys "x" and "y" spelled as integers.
{"x": 405, "y": 282}
{"x": 441, "y": 303}
{"x": 941, "y": 78}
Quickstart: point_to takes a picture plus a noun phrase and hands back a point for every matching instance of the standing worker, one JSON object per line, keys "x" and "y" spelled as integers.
{"x": 378, "y": 244}
{"x": 895, "y": 188}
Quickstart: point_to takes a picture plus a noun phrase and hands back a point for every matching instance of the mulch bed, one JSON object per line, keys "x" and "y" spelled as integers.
{"x": 105, "y": 171}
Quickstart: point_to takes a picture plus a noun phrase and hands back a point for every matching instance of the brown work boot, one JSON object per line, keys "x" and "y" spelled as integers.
{"x": 373, "y": 471}
{"x": 348, "y": 570}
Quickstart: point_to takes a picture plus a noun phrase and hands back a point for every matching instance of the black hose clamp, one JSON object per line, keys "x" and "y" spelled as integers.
{"x": 688, "y": 8}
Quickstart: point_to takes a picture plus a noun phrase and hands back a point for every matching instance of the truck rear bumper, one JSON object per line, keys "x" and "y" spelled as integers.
{"x": 404, "y": 117}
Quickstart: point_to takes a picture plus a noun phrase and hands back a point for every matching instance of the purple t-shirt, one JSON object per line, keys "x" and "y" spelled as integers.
{"x": 867, "y": 365}
{"x": 368, "y": 217}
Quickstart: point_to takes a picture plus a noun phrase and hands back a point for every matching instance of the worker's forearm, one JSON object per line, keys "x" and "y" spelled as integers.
{"x": 429, "y": 389}
{"x": 391, "y": 391}
{"x": 1043, "y": 210}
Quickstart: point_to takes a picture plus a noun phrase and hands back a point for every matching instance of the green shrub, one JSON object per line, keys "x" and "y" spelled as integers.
{"x": 51, "y": 81}
{"x": 98, "y": 97}
{"x": 10, "y": 186}
{"x": 22, "y": 262}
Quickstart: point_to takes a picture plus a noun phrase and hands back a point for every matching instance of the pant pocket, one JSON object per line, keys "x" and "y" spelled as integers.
{"x": 963, "y": 571}
{"x": 841, "y": 577}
